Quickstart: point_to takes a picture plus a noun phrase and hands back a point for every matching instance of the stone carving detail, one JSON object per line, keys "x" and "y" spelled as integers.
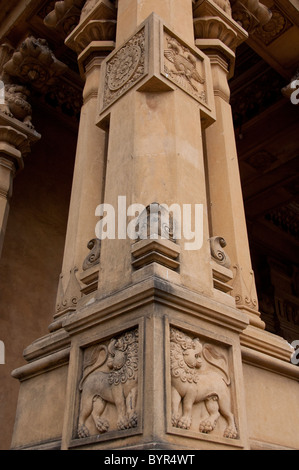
{"x": 93, "y": 257}
{"x": 276, "y": 26}
{"x": 199, "y": 375}
{"x": 250, "y": 14}
{"x": 67, "y": 300}
{"x": 224, "y": 5}
{"x": 244, "y": 294}
{"x": 16, "y": 96}
{"x": 16, "y": 104}
{"x": 154, "y": 222}
{"x": 110, "y": 376}
{"x": 125, "y": 68}
{"x": 35, "y": 64}
{"x": 218, "y": 254}
{"x": 181, "y": 67}
{"x": 65, "y": 15}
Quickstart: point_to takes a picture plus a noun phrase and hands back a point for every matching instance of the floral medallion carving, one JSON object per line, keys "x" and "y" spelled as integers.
{"x": 125, "y": 68}
{"x": 109, "y": 386}
{"x": 200, "y": 386}
{"x": 183, "y": 67}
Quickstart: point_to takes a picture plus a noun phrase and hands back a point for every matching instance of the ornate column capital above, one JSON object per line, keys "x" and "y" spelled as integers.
{"x": 31, "y": 66}
{"x": 219, "y": 24}
{"x": 34, "y": 63}
{"x": 95, "y": 34}
{"x": 250, "y": 14}
{"x": 15, "y": 140}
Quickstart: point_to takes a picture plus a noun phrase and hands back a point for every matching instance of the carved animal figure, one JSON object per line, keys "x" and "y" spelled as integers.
{"x": 184, "y": 62}
{"x": 16, "y": 104}
{"x": 225, "y": 5}
{"x": 198, "y": 375}
{"x": 119, "y": 386}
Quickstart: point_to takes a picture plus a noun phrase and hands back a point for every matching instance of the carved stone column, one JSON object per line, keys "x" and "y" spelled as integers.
{"x": 15, "y": 142}
{"x": 218, "y": 32}
{"x": 218, "y": 35}
{"x": 92, "y": 39}
{"x": 150, "y": 355}
{"x": 16, "y": 132}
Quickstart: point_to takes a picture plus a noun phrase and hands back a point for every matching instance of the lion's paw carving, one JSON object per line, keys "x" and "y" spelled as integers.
{"x": 231, "y": 432}
{"x": 184, "y": 422}
{"x": 83, "y": 431}
{"x": 102, "y": 425}
{"x": 207, "y": 425}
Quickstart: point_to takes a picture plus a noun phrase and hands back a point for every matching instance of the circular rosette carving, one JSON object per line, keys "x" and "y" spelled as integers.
{"x": 123, "y": 66}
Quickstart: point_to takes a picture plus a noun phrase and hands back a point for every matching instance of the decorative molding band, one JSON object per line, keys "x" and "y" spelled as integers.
{"x": 39, "y": 366}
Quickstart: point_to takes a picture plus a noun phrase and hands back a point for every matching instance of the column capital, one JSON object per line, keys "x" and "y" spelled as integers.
{"x": 94, "y": 36}
{"x": 224, "y": 25}
{"x": 15, "y": 140}
{"x": 216, "y": 30}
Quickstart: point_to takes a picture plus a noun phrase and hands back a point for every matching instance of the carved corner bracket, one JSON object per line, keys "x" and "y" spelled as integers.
{"x": 91, "y": 265}
{"x": 221, "y": 265}
{"x": 31, "y": 65}
{"x": 250, "y": 14}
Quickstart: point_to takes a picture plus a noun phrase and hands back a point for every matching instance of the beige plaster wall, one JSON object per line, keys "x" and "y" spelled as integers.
{"x": 32, "y": 254}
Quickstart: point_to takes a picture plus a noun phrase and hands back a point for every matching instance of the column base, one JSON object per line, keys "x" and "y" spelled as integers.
{"x": 153, "y": 367}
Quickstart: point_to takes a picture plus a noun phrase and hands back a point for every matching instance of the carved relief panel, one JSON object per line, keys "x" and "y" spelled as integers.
{"x": 156, "y": 60}
{"x": 125, "y": 68}
{"x": 201, "y": 387}
{"x": 109, "y": 386}
{"x": 184, "y": 67}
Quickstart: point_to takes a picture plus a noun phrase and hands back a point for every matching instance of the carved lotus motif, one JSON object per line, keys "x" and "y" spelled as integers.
{"x": 124, "y": 67}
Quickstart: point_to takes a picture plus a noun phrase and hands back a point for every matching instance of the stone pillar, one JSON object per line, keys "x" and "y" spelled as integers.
{"x": 218, "y": 34}
{"x": 92, "y": 39}
{"x": 150, "y": 357}
{"x": 15, "y": 141}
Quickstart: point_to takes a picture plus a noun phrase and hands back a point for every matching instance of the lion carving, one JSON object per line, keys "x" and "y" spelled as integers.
{"x": 117, "y": 386}
{"x": 17, "y": 105}
{"x": 198, "y": 375}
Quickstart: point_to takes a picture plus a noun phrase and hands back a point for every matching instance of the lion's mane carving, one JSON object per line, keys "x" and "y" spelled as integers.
{"x": 118, "y": 386}
{"x": 199, "y": 374}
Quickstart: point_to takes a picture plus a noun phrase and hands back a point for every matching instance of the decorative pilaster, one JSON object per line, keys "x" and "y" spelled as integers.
{"x": 218, "y": 34}
{"x": 92, "y": 39}
{"x": 31, "y": 66}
